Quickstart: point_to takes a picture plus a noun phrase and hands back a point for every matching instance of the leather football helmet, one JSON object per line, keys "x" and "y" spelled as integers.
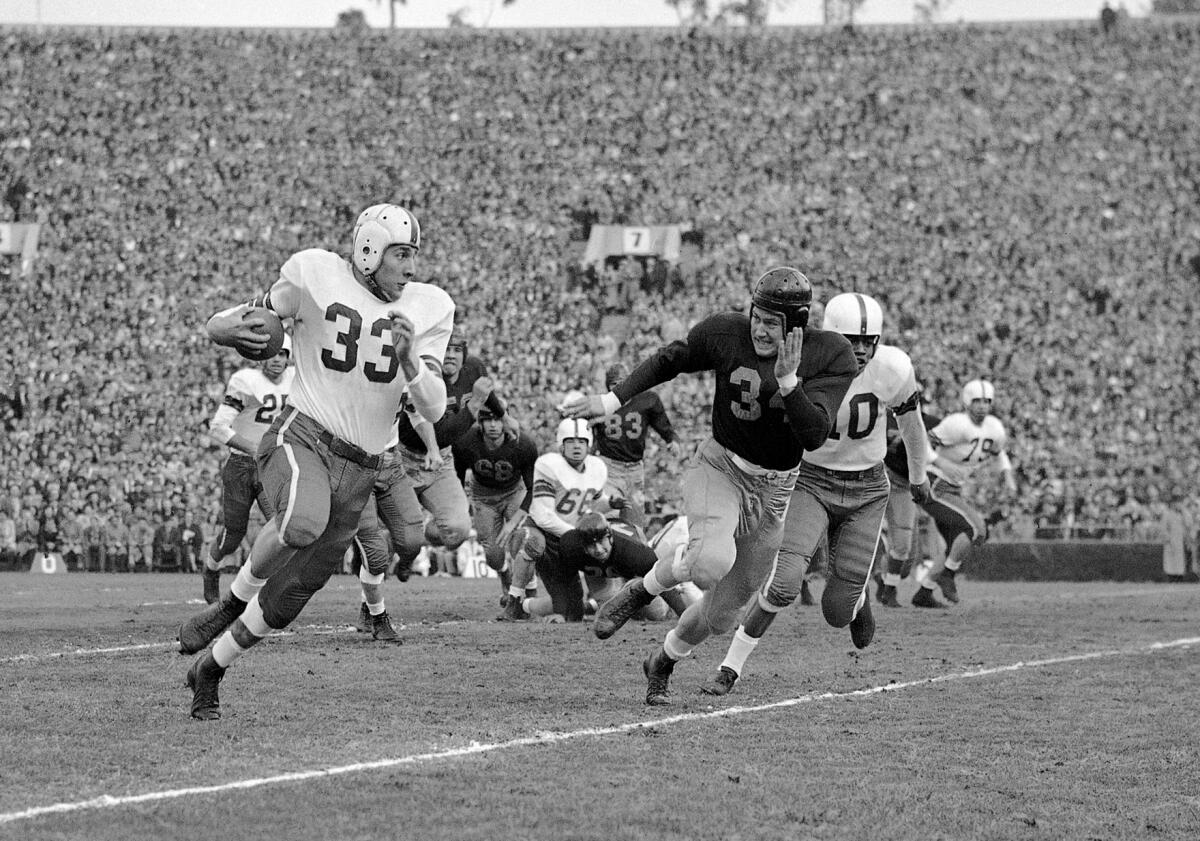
{"x": 593, "y": 527}
{"x": 381, "y": 226}
{"x": 786, "y": 292}
{"x": 574, "y": 428}
{"x": 854, "y": 314}
{"x": 977, "y": 390}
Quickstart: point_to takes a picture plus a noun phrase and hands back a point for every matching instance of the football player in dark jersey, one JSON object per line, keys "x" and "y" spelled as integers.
{"x": 501, "y": 483}
{"x": 418, "y": 479}
{"x": 621, "y": 443}
{"x": 778, "y": 386}
{"x": 601, "y": 551}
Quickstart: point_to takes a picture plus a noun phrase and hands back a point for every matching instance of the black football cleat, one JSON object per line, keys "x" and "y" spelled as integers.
{"x": 862, "y": 626}
{"x": 924, "y": 598}
{"x": 207, "y": 625}
{"x": 722, "y": 682}
{"x": 945, "y": 580}
{"x": 618, "y": 610}
{"x": 887, "y": 596}
{"x": 363, "y": 623}
{"x": 212, "y": 585}
{"x": 382, "y": 630}
{"x": 657, "y": 668}
{"x": 203, "y": 678}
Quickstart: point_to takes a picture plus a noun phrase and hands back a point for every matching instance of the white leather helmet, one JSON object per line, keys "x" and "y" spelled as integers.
{"x": 854, "y": 314}
{"x": 574, "y": 428}
{"x": 380, "y": 226}
{"x": 977, "y": 390}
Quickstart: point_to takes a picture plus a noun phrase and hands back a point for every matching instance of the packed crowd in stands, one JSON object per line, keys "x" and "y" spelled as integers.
{"x": 1022, "y": 200}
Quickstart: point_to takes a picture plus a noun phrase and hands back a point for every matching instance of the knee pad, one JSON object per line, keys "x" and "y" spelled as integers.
{"x": 301, "y": 531}
{"x": 531, "y": 541}
{"x": 839, "y": 600}
{"x": 706, "y": 569}
{"x": 455, "y": 533}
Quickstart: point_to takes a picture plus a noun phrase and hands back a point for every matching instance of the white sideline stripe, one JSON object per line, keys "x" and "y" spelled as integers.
{"x": 551, "y": 737}
{"x": 121, "y": 649}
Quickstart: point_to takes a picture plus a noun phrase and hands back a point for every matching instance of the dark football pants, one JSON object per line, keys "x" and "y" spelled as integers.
{"x": 240, "y": 489}
{"x": 953, "y": 515}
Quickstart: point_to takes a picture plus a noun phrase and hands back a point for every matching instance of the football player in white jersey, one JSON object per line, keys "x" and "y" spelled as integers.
{"x": 964, "y": 442}
{"x": 366, "y": 334}
{"x": 253, "y": 399}
{"x": 842, "y": 490}
{"x": 567, "y": 484}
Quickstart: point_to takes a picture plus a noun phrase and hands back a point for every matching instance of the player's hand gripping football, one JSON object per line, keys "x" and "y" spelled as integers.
{"x": 790, "y": 352}
{"x": 234, "y": 328}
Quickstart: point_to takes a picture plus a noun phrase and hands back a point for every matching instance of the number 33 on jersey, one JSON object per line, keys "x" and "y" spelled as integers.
{"x": 343, "y": 344}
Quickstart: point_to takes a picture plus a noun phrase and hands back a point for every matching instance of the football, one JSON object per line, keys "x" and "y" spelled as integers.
{"x": 273, "y": 328}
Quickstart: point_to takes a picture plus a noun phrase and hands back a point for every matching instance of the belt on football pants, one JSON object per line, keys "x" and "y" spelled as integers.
{"x": 351, "y": 452}
{"x": 873, "y": 472}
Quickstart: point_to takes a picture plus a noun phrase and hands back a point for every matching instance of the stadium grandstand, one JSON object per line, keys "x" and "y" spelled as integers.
{"x": 1021, "y": 199}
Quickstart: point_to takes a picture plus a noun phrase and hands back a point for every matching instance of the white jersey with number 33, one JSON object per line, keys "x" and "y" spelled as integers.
{"x": 858, "y": 439}
{"x": 348, "y": 377}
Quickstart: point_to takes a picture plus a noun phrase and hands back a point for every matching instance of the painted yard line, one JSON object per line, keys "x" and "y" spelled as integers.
{"x": 552, "y": 737}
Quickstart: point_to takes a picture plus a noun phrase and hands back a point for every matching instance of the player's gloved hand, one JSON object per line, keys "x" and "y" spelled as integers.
{"x": 921, "y": 493}
{"x": 434, "y": 460}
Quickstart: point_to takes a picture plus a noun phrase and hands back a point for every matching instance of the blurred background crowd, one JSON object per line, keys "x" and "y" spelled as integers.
{"x": 1023, "y": 200}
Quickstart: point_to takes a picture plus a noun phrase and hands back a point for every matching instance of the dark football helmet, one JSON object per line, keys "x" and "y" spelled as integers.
{"x": 786, "y": 292}
{"x": 593, "y": 527}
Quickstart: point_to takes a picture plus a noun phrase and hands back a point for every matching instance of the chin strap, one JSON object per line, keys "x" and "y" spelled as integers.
{"x": 375, "y": 288}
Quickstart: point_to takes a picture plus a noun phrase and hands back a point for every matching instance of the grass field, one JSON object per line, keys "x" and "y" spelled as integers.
{"x": 1049, "y": 711}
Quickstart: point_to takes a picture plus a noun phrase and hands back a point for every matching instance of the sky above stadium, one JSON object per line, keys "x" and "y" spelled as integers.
{"x": 492, "y": 13}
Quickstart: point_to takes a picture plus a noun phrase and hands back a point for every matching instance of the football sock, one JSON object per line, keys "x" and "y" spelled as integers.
{"x": 674, "y": 647}
{"x": 651, "y": 583}
{"x": 742, "y": 647}
{"x": 246, "y": 586}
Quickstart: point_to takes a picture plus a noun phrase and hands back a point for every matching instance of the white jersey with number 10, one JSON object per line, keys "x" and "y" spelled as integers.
{"x": 858, "y": 439}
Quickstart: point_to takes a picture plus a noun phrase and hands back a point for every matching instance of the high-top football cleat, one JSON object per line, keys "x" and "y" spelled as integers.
{"x": 620, "y": 608}
{"x": 722, "y": 682}
{"x": 945, "y": 580}
{"x": 887, "y": 596}
{"x": 207, "y": 625}
{"x": 862, "y": 626}
{"x": 382, "y": 630}
{"x": 203, "y": 678}
{"x": 212, "y": 585}
{"x": 657, "y": 668}
{"x": 924, "y": 598}
{"x": 514, "y": 611}
{"x": 363, "y": 623}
